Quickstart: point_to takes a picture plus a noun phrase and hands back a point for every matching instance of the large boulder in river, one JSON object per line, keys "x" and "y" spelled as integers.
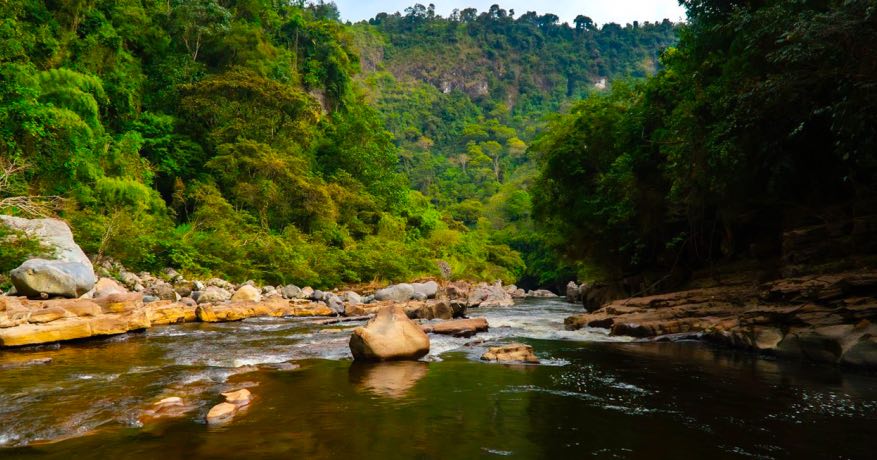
{"x": 395, "y": 293}
{"x": 36, "y": 277}
{"x": 489, "y": 295}
{"x": 390, "y": 335}
{"x": 66, "y": 272}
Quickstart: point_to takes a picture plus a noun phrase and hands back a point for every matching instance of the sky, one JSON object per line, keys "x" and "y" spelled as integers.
{"x": 601, "y": 11}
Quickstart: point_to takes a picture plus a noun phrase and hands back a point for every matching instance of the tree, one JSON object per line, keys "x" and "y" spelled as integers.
{"x": 196, "y": 21}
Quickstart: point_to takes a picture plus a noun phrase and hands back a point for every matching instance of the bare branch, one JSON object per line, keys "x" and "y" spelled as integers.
{"x": 33, "y": 206}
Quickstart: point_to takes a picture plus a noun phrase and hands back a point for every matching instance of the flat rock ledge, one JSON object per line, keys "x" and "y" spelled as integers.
{"x": 26, "y": 322}
{"x": 827, "y": 318}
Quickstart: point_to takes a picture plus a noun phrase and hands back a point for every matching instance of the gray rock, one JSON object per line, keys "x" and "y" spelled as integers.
{"x": 396, "y": 293}
{"x": 163, "y": 291}
{"x": 198, "y": 286}
{"x": 195, "y": 295}
{"x": 334, "y": 302}
{"x": 318, "y": 295}
{"x": 220, "y": 283}
{"x": 184, "y": 288}
{"x": 418, "y": 296}
{"x": 291, "y": 291}
{"x": 188, "y": 301}
{"x": 213, "y": 294}
{"x": 368, "y": 299}
{"x": 53, "y": 277}
{"x": 428, "y": 289}
{"x": 150, "y": 298}
{"x": 352, "y": 298}
{"x": 489, "y": 295}
{"x": 573, "y": 292}
{"x": 541, "y": 293}
{"x": 268, "y": 289}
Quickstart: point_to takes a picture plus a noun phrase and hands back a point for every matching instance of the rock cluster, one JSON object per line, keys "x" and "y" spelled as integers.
{"x": 828, "y": 318}
{"x": 224, "y": 412}
{"x": 121, "y": 301}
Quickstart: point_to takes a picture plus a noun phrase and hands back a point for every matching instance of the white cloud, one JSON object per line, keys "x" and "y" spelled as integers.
{"x": 601, "y": 11}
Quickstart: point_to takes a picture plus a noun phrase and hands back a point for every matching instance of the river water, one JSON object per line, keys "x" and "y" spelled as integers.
{"x": 593, "y": 396}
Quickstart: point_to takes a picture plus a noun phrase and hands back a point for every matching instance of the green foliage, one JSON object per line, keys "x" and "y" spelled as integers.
{"x": 224, "y": 138}
{"x": 757, "y": 121}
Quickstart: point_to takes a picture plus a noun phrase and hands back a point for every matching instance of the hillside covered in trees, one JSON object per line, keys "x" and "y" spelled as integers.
{"x": 270, "y": 141}
{"x": 755, "y": 143}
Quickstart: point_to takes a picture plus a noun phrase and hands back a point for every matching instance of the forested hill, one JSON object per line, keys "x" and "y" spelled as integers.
{"x": 243, "y": 139}
{"x": 465, "y": 95}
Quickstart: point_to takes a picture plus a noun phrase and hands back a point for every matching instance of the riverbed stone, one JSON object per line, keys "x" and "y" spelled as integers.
{"x": 247, "y": 293}
{"x": 291, "y": 291}
{"x": 106, "y": 287}
{"x": 427, "y": 289}
{"x": 512, "y": 352}
{"x": 489, "y": 295}
{"x": 239, "y": 398}
{"x": 458, "y": 328}
{"x": 221, "y": 413}
{"x": 396, "y": 293}
{"x": 213, "y": 294}
{"x": 390, "y": 335}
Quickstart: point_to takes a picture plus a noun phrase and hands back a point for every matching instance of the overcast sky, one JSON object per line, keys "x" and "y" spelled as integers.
{"x": 601, "y": 11}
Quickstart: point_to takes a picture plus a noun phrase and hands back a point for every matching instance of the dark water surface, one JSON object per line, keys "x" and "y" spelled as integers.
{"x": 591, "y": 398}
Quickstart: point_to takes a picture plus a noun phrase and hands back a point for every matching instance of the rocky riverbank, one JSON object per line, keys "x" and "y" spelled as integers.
{"x": 49, "y": 304}
{"x": 826, "y": 318}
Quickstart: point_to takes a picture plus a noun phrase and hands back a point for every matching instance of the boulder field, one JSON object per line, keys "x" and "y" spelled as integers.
{"x": 826, "y": 318}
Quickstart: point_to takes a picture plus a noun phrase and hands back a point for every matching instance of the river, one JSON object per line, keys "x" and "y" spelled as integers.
{"x": 593, "y": 396}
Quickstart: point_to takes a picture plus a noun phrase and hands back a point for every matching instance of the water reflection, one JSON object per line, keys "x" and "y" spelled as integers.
{"x": 390, "y": 379}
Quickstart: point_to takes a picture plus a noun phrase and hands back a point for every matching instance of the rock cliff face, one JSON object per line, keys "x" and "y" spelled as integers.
{"x": 827, "y": 318}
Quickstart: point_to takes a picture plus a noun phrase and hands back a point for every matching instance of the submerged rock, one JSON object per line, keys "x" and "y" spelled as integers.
{"x": 238, "y": 398}
{"x": 221, "y": 413}
{"x": 390, "y": 335}
{"x": 511, "y": 352}
{"x": 225, "y": 412}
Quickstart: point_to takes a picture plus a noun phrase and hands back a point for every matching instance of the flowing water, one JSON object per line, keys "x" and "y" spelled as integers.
{"x": 593, "y": 396}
